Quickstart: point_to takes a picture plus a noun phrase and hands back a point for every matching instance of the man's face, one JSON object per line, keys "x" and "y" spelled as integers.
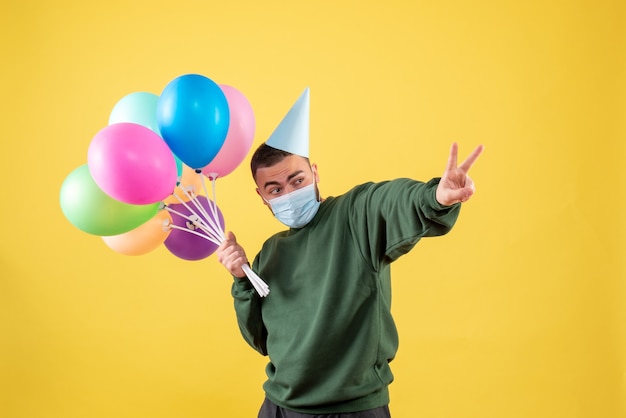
{"x": 291, "y": 173}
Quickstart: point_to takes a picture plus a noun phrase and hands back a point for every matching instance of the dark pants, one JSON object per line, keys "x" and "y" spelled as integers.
{"x": 270, "y": 410}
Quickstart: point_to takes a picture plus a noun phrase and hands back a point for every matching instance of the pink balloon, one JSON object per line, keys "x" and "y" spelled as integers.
{"x": 132, "y": 164}
{"x": 239, "y": 137}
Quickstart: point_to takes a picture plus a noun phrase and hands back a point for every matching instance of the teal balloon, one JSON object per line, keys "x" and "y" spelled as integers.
{"x": 92, "y": 211}
{"x": 179, "y": 168}
{"x": 140, "y": 108}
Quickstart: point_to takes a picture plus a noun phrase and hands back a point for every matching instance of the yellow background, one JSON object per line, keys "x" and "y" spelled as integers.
{"x": 518, "y": 312}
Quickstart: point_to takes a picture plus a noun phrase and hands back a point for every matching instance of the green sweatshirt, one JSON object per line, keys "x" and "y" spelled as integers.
{"x": 326, "y": 324}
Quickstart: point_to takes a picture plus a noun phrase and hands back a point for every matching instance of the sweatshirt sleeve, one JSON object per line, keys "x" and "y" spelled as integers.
{"x": 248, "y": 309}
{"x": 394, "y": 215}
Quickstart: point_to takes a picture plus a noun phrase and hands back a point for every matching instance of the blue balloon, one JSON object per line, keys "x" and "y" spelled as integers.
{"x": 193, "y": 117}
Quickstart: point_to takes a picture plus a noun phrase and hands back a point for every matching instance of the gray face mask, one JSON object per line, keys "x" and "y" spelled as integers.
{"x": 296, "y": 209}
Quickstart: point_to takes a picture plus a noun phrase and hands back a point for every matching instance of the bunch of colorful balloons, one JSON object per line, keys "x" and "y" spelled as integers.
{"x": 144, "y": 181}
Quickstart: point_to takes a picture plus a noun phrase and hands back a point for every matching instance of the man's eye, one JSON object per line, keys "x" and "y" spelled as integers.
{"x": 275, "y": 191}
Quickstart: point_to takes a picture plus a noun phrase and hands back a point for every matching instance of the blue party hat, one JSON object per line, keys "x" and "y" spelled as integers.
{"x": 292, "y": 134}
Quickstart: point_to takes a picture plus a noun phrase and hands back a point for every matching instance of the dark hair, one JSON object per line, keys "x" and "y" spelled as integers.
{"x": 266, "y": 156}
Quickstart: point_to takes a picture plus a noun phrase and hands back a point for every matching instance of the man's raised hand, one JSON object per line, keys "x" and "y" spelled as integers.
{"x": 455, "y": 185}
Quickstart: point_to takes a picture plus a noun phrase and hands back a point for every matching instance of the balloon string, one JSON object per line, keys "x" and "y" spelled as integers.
{"x": 180, "y": 228}
{"x": 197, "y": 222}
{"x": 213, "y": 205}
{"x": 259, "y": 285}
{"x": 213, "y": 182}
{"x": 213, "y": 222}
{"x": 210, "y": 226}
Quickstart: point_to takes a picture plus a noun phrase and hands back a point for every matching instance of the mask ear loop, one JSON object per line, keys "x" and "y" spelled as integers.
{"x": 318, "y": 195}
{"x": 269, "y": 205}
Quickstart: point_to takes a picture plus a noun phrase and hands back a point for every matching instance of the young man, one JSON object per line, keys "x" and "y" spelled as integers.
{"x": 326, "y": 324}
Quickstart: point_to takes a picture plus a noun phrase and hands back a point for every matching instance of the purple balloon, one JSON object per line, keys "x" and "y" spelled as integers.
{"x": 185, "y": 244}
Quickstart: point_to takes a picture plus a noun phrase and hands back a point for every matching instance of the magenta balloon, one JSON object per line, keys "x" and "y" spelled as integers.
{"x": 132, "y": 164}
{"x": 239, "y": 137}
{"x": 185, "y": 244}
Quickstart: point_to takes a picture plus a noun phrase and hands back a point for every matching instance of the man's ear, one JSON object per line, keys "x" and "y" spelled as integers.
{"x": 315, "y": 173}
{"x": 259, "y": 193}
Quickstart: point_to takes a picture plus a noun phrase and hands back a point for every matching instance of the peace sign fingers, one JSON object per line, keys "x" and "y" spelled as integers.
{"x": 455, "y": 185}
{"x": 469, "y": 161}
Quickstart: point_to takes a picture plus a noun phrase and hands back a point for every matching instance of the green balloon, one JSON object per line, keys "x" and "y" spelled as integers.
{"x": 91, "y": 210}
